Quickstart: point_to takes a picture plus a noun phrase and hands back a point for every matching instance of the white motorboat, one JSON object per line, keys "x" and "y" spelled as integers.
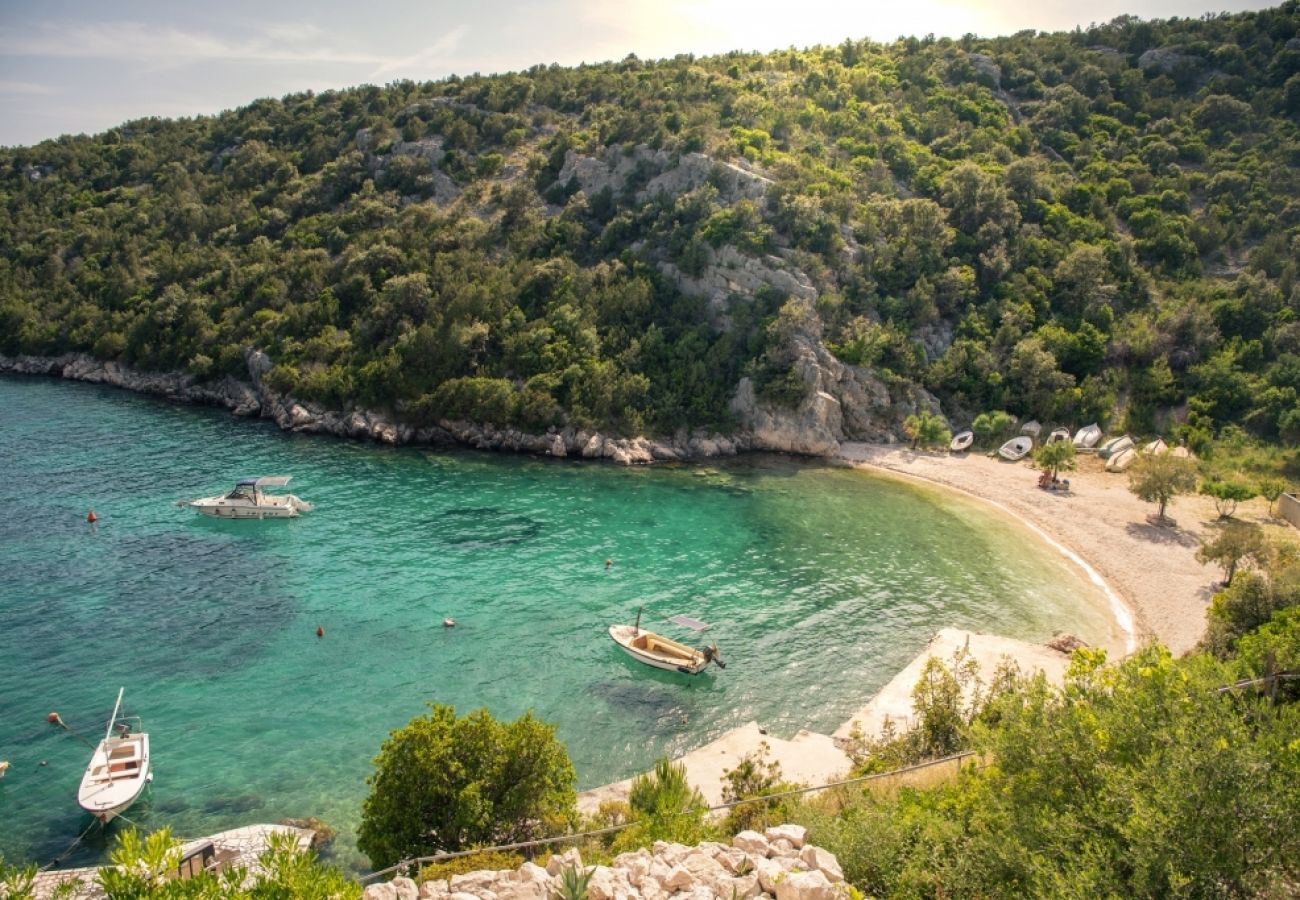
{"x": 1058, "y": 436}
{"x": 962, "y": 441}
{"x": 1033, "y": 428}
{"x": 249, "y": 501}
{"x": 1016, "y": 448}
{"x": 118, "y": 771}
{"x": 1119, "y": 462}
{"x": 1087, "y": 436}
{"x": 1114, "y": 446}
{"x": 665, "y": 653}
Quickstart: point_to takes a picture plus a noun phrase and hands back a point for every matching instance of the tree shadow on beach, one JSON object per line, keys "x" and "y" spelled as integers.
{"x": 1166, "y": 533}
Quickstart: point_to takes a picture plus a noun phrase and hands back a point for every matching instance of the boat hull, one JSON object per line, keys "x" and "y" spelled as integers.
{"x": 962, "y": 441}
{"x": 117, "y": 775}
{"x": 658, "y": 651}
{"x": 1016, "y": 448}
{"x": 221, "y": 508}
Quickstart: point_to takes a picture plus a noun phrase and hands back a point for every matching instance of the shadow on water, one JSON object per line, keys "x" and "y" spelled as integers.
{"x": 482, "y": 528}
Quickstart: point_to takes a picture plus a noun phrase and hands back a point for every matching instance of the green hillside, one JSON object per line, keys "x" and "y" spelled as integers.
{"x": 1103, "y": 224}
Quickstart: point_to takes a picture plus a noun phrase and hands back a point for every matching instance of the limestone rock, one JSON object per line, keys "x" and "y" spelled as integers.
{"x": 406, "y": 888}
{"x": 382, "y": 891}
{"x": 795, "y": 834}
{"x": 751, "y": 842}
{"x": 569, "y": 859}
{"x": 434, "y": 890}
{"x": 679, "y": 879}
{"x": 823, "y": 861}
{"x": 806, "y": 886}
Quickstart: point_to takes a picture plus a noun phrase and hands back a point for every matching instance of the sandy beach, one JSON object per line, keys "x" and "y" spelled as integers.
{"x": 1153, "y": 568}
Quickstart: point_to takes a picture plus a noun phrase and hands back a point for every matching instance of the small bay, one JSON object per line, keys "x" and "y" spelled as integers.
{"x": 820, "y": 582}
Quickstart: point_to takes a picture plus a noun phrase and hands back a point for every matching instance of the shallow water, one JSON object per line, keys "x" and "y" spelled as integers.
{"x": 820, "y": 582}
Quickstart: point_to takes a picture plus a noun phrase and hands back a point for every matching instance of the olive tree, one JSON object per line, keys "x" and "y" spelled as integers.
{"x": 1159, "y": 479}
{"x": 926, "y": 430}
{"x": 446, "y": 783}
{"x": 1236, "y": 543}
{"x": 1227, "y": 494}
{"x": 1056, "y": 458}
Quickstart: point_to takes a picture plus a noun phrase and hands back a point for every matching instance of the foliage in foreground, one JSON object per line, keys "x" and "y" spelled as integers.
{"x": 1137, "y": 780}
{"x": 446, "y": 783}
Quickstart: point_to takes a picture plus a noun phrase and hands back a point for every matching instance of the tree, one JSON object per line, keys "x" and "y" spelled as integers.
{"x": 1270, "y": 489}
{"x": 1158, "y": 479}
{"x": 926, "y": 430}
{"x": 991, "y": 426}
{"x": 664, "y": 807}
{"x": 1227, "y": 494}
{"x": 445, "y": 783}
{"x": 1236, "y": 543}
{"x": 1055, "y": 458}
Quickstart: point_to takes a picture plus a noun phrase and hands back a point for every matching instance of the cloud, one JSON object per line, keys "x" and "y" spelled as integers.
{"x": 26, "y": 88}
{"x": 430, "y": 58}
{"x": 137, "y": 42}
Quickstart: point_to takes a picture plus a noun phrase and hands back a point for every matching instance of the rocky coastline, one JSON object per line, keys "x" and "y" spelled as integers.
{"x": 815, "y": 428}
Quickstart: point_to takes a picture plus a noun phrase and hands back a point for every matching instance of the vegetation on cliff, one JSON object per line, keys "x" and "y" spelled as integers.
{"x": 1094, "y": 225}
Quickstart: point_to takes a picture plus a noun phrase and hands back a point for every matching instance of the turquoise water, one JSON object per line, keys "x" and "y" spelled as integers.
{"x": 821, "y": 582}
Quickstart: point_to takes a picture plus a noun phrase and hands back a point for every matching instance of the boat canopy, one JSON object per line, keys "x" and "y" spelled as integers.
{"x": 264, "y": 481}
{"x": 688, "y": 622}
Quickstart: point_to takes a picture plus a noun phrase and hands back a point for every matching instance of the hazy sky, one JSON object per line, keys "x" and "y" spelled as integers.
{"x": 70, "y": 66}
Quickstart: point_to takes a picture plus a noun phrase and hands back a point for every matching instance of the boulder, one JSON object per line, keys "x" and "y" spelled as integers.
{"x": 806, "y": 886}
{"x": 795, "y": 834}
{"x": 823, "y": 861}
{"x": 679, "y": 879}
{"x": 406, "y": 889}
{"x": 751, "y": 842}
{"x": 382, "y": 891}
{"x": 434, "y": 890}
{"x": 609, "y": 884}
{"x": 569, "y": 859}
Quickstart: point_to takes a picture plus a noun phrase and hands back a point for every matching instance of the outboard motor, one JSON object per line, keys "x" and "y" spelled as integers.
{"x": 712, "y": 655}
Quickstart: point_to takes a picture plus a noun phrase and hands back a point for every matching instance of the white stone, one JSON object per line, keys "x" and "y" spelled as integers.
{"x": 434, "y": 890}
{"x": 679, "y": 879}
{"x": 795, "y": 834}
{"x": 569, "y": 859}
{"x": 744, "y": 886}
{"x": 781, "y": 847}
{"x": 381, "y": 891}
{"x": 472, "y": 882}
{"x": 823, "y": 861}
{"x": 735, "y": 860}
{"x": 609, "y": 884}
{"x": 750, "y": 842}
{"x": 806, "y": 886}
{"x": 769, "y": 872}
{"x": 532, "y": 873}
{"x": 406, "y": 889}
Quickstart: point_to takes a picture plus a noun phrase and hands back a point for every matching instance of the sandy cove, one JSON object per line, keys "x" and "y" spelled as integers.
{"x": 1150, "y": 572}
{"x": 1153, "y": 568}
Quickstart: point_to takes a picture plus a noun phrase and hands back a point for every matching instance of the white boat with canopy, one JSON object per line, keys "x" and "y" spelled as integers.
{"x": 665, "y": 653}
{"x": 249, "y": 501}
{"x": 118, "y": 771}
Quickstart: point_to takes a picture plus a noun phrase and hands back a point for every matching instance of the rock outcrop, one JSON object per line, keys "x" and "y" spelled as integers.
{"x": 778, "y": 864}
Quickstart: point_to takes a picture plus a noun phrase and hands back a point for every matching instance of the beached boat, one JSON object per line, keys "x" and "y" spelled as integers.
{"x": 665, "y": 653}
{"x": 1115, "y": 445}
{"x": 1156, "y": 448}
{"x": 118, "y": 771}
{"x": 1033, "y": 428}
{"x": 1016, "y": 448}
{"x": 1182, "y": 453}
{"x": 1087, "y": 436}
{"x": 1120, "y": 461}
{"x": 962, "y": 441}
{"x": 249, "y": 501}
{"x": 1058, "y": 436}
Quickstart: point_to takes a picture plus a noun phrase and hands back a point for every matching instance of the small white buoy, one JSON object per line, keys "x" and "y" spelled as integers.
{"x": 4, "y": 767}
{"x": 449, "y": 623}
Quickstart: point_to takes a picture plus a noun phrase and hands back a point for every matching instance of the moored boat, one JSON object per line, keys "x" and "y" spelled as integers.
{"x": 1120, "y": 461}
{"x": 1115, "y": 445}
{"x": 118, "y": 771}
{"x": 1016, "y": 448}
{"x": 665, "y": 653}
{"x": 249, "y": 501}
{"x": 1087, "y": 436}
{"x": 962, "y": 441}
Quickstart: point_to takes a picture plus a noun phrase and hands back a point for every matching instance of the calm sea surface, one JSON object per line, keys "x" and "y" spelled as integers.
{"x": 820, "y": 583}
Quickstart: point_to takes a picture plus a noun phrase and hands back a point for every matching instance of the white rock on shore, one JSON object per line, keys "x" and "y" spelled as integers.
{"x": 777, "y": 864}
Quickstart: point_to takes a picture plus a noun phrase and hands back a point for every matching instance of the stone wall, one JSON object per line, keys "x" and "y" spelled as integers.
{"x": 777, "y": 864}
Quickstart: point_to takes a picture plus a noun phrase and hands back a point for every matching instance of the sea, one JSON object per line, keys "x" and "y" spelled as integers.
{"x": 818, "y": 582}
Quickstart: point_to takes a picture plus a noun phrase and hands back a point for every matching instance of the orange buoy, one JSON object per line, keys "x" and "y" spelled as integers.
{"x": 91, "y": 517}
{"x": 52, "y": 718}
{"x": 320, "y": 631}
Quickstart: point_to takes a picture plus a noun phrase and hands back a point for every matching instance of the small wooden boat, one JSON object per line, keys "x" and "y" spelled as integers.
{"x": 118, "y": 771}
{"x": 1115, "y": 445}
{"x": 1120, "y": 461}
{"x": 1156, "y": 448}
{"x": 1033, "y": 428}
{"x": 1016, "y": 448}
{"x": 962, "y": 441}
{"x": 1087, "y": 436}
{"x": 665, "y": 653}
{"x": 1058, "y": 436}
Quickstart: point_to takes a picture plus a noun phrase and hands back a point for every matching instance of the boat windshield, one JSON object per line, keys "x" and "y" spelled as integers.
{"x": 242, "y": 492}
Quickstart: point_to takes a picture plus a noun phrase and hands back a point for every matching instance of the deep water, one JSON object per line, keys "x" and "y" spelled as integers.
{"x": 820, "y": 583}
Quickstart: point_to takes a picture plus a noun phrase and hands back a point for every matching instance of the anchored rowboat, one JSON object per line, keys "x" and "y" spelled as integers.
{"x": 665, "y": 653}
{"x": 119, "y": 768}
